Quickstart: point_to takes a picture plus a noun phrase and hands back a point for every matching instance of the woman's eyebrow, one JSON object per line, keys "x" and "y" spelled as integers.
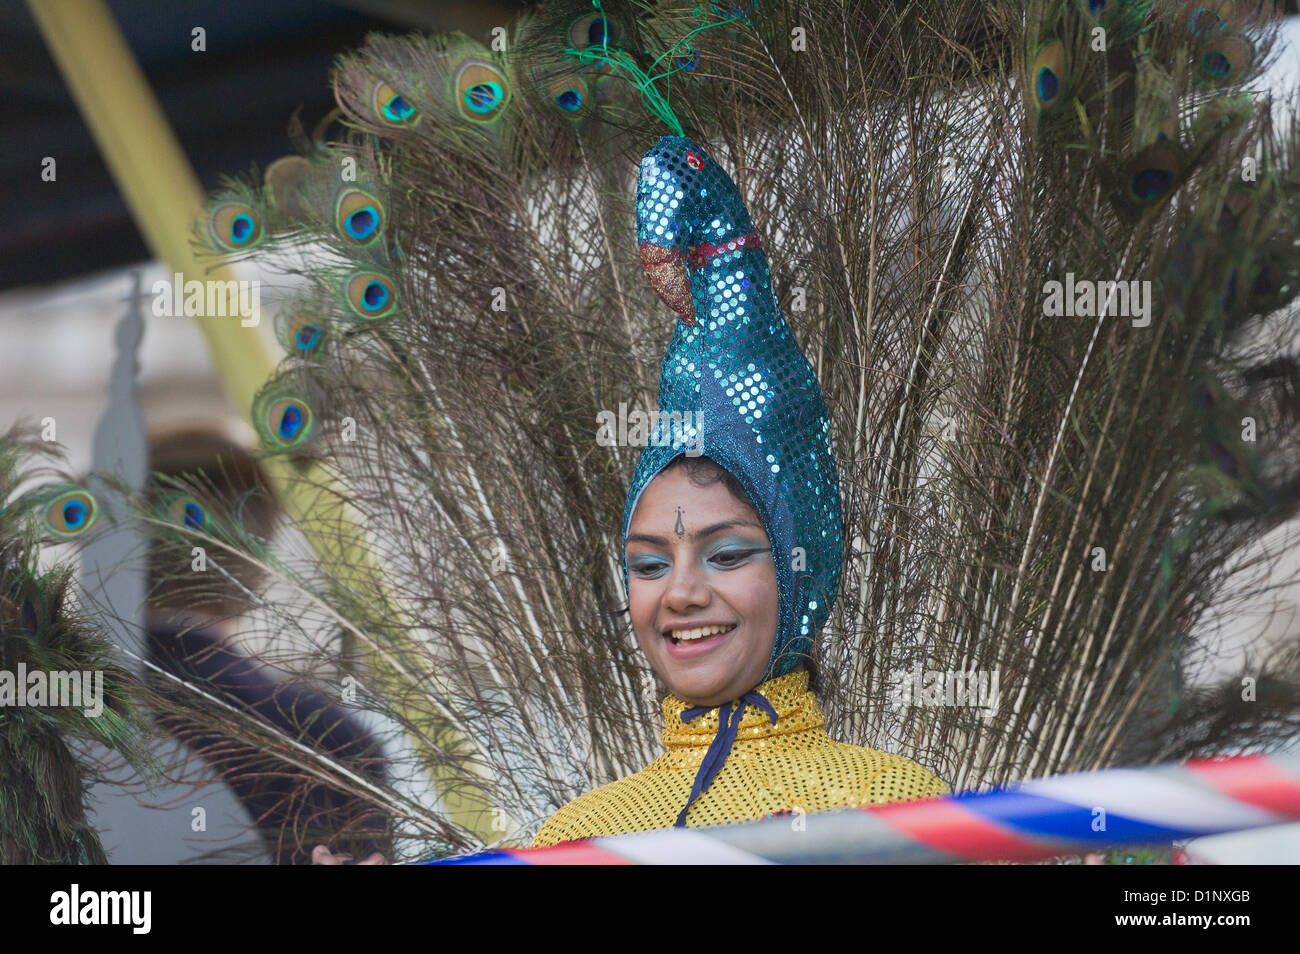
{"x": 706, "y": 531}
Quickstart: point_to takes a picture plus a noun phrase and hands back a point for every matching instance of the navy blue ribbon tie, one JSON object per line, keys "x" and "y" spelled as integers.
{"x": 720, "y": 747}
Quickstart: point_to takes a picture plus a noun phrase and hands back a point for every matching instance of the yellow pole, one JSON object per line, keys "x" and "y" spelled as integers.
{"x": 166, "y": 199}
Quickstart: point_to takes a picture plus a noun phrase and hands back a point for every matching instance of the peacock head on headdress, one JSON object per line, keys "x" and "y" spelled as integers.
{"x": 734, "y": 385}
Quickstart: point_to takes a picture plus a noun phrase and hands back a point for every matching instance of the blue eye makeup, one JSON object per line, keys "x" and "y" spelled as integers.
{"x": 736, "y": 552}
{"x": 646, "y": 567}
{"x": 724, "y": 555}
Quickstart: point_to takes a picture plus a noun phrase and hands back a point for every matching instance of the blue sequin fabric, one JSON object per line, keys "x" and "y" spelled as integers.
{"x": 755, "y": 407}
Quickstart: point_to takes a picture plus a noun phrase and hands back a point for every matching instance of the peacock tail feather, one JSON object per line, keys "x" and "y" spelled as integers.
{"x": 45, "y": 768}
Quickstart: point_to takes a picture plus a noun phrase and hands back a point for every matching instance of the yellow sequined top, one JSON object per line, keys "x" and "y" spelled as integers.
{"x": 793, "y": 765}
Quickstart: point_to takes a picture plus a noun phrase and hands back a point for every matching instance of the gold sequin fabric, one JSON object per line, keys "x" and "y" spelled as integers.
{"x": 792, "y": 766}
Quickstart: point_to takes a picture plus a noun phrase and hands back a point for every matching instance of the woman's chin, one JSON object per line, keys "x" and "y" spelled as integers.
{"x": 707, "y": 678}
{"x": 703, "y": 687}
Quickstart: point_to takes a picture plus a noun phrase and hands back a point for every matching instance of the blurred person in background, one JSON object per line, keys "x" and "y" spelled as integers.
{"x": 191, "y": 635}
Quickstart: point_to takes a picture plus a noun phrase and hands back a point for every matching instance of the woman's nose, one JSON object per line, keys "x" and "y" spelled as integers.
{"x": 687, "y": 588}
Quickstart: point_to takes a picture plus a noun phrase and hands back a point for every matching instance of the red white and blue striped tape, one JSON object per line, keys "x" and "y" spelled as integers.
{"x": 1042, "y": 818}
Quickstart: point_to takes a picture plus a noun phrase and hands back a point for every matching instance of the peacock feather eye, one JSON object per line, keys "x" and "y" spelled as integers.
{"x": 482, "y": 90}
{"x": 570, "y": 95}
{"x": 1049, "y": 77}
{"x": 284, "y": 180}
{"x": 29, "y": 618}
{"x": 686, "y": 59}
{"x": 392, "y": 107}
{"x": 308, "y": 338}
{"x": 1215, "y": 65}
{"x": 359, "y": 217}
{"x": 1153, "y": 172}
{"x": 284, "y": 413}
{"x": 1204, "y": 22}
{"x": 303, "y": 335}
{"x": 188, "y": 512}
{"x": 235, "y": 226}
{"x": 1149, "y": 185}
{"x": 1048, "y": 85}
{"x": 288, "y": 422}
{"x": 371, "y": 295}
{"x": 70, "y": 513}
{"x": 1225, "y": 60}
{"x": 600, "y": 33}
{"x": 594, "y": 29}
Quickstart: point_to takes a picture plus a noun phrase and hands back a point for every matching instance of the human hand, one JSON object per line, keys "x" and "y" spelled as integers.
{"x": 320, "y": 855}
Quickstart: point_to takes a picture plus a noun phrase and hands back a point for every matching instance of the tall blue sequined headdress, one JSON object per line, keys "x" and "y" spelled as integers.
{"x": 734, "y": 385}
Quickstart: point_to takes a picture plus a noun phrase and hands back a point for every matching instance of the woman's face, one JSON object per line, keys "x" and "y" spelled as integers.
{"x": 702, "y": 589}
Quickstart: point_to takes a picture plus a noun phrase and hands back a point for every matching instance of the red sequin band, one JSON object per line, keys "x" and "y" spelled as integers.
{"x": 700, "y": 254}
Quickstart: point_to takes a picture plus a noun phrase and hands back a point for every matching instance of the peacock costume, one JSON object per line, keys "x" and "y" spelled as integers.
{"x": 782, "y": 762}
{"x": 734, "y": 372}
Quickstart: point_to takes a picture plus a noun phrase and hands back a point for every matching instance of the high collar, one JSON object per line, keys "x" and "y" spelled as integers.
{"x": 796, "y": 708}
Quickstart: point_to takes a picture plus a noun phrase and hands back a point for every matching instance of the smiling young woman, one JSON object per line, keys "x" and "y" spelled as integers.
{"x": 703, "y": 597}
{"x": 733, "y": 559}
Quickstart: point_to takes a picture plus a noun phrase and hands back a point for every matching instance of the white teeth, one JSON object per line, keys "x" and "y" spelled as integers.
{"x": 699, "y": 632}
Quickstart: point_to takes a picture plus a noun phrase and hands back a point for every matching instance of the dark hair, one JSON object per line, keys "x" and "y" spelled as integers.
{"x": 705, "y": 472}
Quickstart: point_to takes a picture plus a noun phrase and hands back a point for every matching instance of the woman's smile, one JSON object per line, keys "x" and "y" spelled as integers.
{"x": 687, "y": 641}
